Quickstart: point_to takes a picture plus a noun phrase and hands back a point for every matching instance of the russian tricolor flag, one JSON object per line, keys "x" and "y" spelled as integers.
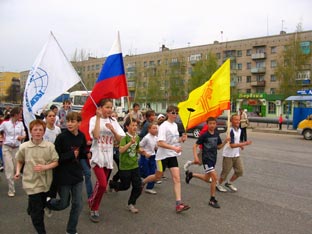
{"x": 111, "y": 83}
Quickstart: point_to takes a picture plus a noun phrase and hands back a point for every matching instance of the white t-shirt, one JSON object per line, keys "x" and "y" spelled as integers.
{"x": 168, "y": 132}
{"x": 149, "y": 143}
{"x": 234, "y": 139}
{"x": 102, "y": 149}
{"x": 50, "y": 134}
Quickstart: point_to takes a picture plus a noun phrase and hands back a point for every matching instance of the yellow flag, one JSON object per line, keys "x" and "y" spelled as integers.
{"x": 208, "y": 100}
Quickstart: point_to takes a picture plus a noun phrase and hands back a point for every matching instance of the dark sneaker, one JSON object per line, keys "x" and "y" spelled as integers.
{"x": 214, "y": 204}
{"x": 111, "y": 186}
{"x": 182, "y": 207}
{"x": 94, "y": 216}
{"x": 188, "y": 176}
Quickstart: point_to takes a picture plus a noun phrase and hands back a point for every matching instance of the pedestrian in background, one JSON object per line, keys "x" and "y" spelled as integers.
{"x": 62, "y": 113}
{"x": 38, "y": 158}
{"x": 243, "y": 124}
{"x": 280, "y": 121}
{"x": 13, "y": 133}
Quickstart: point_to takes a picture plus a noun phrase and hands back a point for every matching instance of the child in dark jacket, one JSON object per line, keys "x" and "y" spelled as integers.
{"x": 71, "y": 147}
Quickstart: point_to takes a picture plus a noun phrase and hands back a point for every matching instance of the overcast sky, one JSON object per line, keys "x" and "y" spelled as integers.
{"x": 144, "y": 25}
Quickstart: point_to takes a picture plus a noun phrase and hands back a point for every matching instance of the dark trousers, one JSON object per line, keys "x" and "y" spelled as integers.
{"x": 128, "y": 177}
{"x": 280, "y": 126}
{"x": 243, "y": 136}
{"x": 36, "y": 204}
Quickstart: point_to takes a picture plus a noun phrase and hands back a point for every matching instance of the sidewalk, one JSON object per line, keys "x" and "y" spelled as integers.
{"x": 272, "y": 128}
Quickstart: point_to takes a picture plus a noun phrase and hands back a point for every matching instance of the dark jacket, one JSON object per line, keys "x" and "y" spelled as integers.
{"x": 69, "y": 171}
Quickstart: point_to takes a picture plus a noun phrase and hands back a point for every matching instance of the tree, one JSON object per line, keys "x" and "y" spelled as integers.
{"x": 202, "y": 71}
{"x": 14, "y": 92}
{"x": 293, "y": 62}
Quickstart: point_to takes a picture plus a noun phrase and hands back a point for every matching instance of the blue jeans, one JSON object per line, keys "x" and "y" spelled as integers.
{"x": 87, "y": 176}
{"x": 66, "y": 192}
{"x": 147, "y": 167}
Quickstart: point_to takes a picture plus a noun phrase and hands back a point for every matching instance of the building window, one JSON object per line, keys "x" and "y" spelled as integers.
{"x": 248, "y": 90}
{"x": 145, "y": 64}
{"x": 273, "y": 78}
{"x": 272, "y": 108}
{"x": 273, "y": 63}
{"x": 158, "y": 62}
{"x": 287, "y": 108}
{"x": 239, "y": 66}
{"x": 218, "y": 55}
{"x": 272, "y": 90}
{"x": 248, "y": 52}
{"x": 239, "y": 79}
{"x": 248, "y": 66}
{"x": 248, "y": 79}
{"x": 260, "y": 90}
{"x": 273, "y": 50}
{"x": 239, "y": 53}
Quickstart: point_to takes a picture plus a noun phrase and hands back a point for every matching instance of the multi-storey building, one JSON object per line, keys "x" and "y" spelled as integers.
{"x": 9, "y": 87}
{"x": 254, "y": 84}
{"x": 253, "y": 63}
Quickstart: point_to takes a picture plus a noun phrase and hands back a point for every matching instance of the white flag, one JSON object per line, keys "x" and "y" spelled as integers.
{"x": 50, "y": 76}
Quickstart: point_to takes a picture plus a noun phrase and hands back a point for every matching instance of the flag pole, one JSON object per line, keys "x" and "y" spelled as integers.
{"x": 89, "y": 95}
{"x": 228, "y": 123}
{"x": 190, "y": 110}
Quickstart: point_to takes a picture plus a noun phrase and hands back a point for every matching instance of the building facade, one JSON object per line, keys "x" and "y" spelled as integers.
{"x": 10, "y": 87}
{"x": 160, "y": 78}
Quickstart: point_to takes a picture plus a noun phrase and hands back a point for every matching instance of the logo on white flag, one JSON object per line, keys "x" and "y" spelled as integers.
{"x": 36, "y": 87}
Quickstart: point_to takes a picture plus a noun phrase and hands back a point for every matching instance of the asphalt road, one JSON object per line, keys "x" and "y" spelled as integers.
{"x": 274, "y": 196}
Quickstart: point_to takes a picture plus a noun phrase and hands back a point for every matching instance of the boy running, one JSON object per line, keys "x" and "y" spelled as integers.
{"x": 210, "y": 142}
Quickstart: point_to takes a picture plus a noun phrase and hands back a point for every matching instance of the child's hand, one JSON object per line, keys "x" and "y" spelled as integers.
{"x": 39, "y": 168}
{"x": 178, "y": 149}
{"x": 133, "y": 140}
{"x": 248, "y": 142}
{"x": 17, "y": 176}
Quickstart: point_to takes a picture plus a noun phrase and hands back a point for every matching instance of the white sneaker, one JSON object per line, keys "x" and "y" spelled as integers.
{"x": 132, "y": 209}
{"x": 220, "y": 188}
{"x": 158, "y": 182}
{"x": 231, "y": 186}
{"x": 187, "y": 165}
{"x": 151, "y": 191}
{"x": 11, "y": 194}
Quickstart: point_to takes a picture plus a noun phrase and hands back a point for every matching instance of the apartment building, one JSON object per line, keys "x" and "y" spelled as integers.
{"x": 9, "y": 87}
{"x": 254, "y": 84}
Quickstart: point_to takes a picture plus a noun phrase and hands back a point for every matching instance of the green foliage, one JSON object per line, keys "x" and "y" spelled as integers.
{"x": 292, "y": 62}
{"x": 202, "y": 71}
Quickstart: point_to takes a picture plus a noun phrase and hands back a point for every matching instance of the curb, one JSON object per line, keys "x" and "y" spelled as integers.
{"x": 286, "y": 132}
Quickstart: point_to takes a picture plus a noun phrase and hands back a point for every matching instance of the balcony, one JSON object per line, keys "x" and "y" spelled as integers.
{"x": 258, "y": 70}
{"x": 258, "y": 55}
{"x": 258, "y": 83}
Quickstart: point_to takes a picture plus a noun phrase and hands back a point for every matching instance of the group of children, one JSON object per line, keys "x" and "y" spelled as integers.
{"x": 210, "y": 142}
{"x": 159, "y": 147}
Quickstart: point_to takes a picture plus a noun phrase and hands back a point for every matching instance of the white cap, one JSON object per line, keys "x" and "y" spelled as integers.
{"x": 160, "y": 116}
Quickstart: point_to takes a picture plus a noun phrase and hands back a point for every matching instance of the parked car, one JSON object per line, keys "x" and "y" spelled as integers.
{"x": 305, "y": 128}
{"x": 221, "y": 127}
